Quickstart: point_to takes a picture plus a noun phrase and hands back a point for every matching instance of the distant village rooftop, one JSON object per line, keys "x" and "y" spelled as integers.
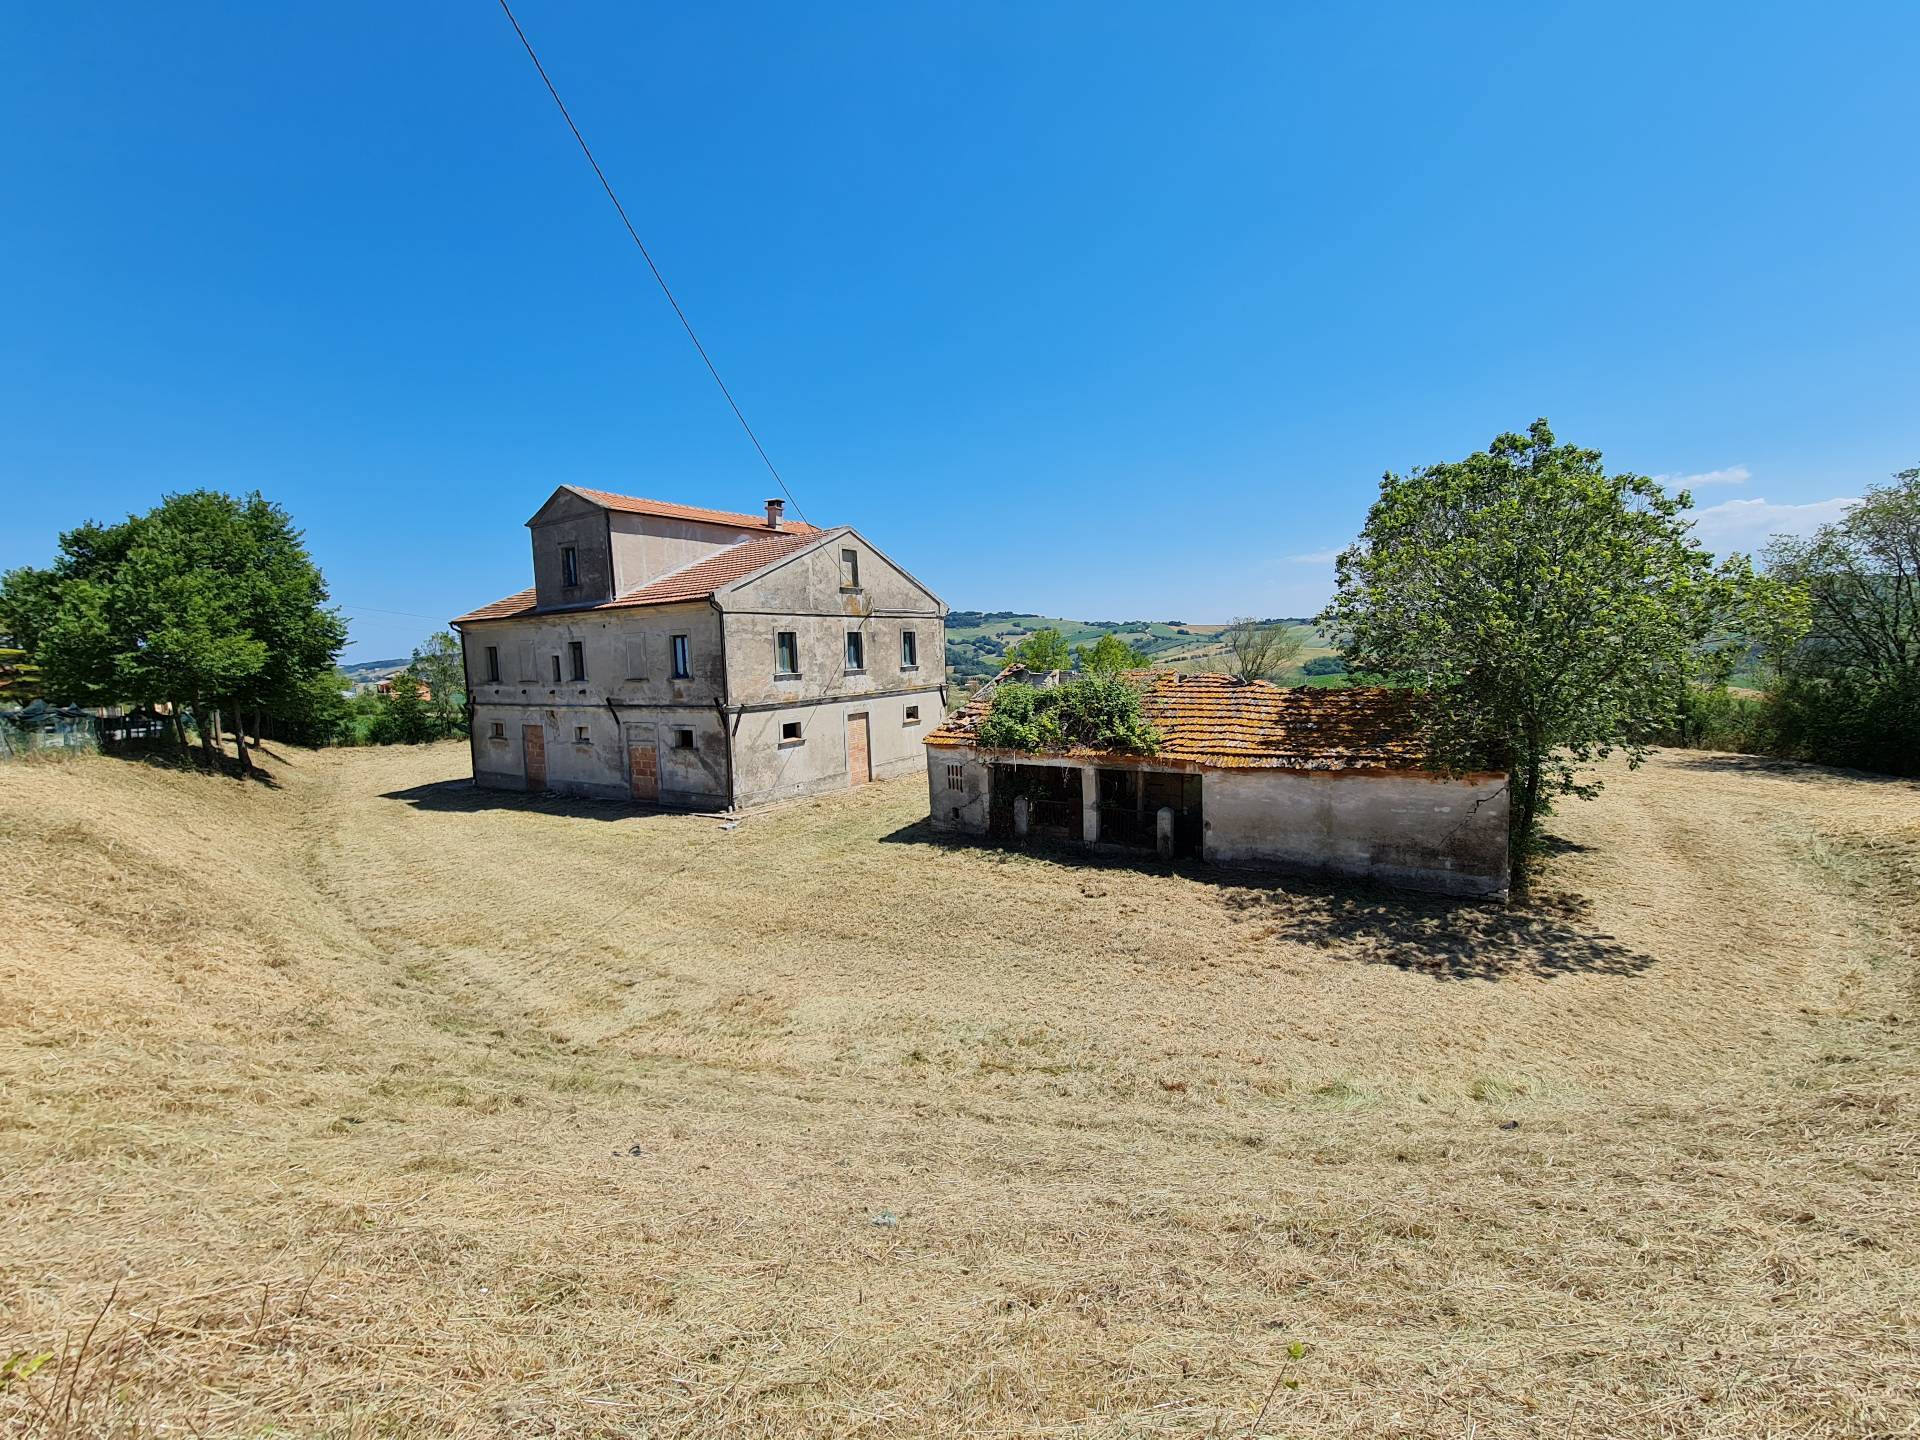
{"x": 1218, "y": 722}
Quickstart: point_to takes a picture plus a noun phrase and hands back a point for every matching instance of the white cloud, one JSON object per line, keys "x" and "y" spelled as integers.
{"x": 1746, "y": 524}
{"x": 1314, "y": 557}
{"x": 1732, "y": 475}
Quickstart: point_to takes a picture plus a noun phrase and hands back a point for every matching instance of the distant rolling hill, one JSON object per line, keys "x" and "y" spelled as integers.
{"x": 978, "y": 640}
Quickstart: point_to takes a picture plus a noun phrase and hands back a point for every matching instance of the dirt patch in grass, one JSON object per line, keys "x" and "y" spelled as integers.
{"x": 363, "y": 1104}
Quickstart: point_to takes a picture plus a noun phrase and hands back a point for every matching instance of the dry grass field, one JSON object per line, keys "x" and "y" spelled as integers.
{"x": 359, "y": 1104}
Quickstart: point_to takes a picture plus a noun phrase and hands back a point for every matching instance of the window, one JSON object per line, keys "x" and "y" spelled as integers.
{"x": 681, "y": 669}
{"x": 556, "y": 669}
{"x": 849, "y": 569}
{"x": 909, "y": 650}
{"x": 580, "y": 735}
{"x": 499, "y": 730}
{"x": 790, "y": 733}
{"x": 953, "y": 778}
{"x": 786, "y": 653}
{"x": 856, "y": 651}
{"x": 569, "y": 565}
{"x": 493, "y": 664}
{"x": 577, "y": 659}
{"x": 682, "y": 738}
{"x": 912, "y": 716}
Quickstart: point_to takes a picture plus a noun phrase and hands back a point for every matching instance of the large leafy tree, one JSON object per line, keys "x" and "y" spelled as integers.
{"x": 206, "y": 602}
{"x": 441, "y": 666}
{"x": 1849, "y": 690}
{"x": 1045, "y": 649}
{"x": 1109, "y": 655}
{"x": 1550, "y": 612}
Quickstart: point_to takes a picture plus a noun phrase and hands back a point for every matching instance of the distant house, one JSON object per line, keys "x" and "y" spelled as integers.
{"x": 1327, "y": 781}
{"x": 673, "y": 655}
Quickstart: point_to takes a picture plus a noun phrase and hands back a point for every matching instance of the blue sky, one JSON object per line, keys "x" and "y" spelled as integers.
{"x": 1115, "y": 311}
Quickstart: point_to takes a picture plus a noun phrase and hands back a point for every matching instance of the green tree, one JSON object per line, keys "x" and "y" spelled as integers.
{"x": 442, "y": 665}
{"x": 1257, "y": 650}
{"x": 1849, "y": 690}
{"x": 207, "y": 602}
{"x": 1045, "y": 649}
{"x": 1551, "y": 613}
{"x": 1108, "y": 655}
{"x": 402, "y": 717}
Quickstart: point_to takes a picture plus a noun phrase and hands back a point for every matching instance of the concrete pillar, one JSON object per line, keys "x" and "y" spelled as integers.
{"x": 1022, "y": 812}
{"x": 1090, "y": 805}
{"x": 1163, "y": 832}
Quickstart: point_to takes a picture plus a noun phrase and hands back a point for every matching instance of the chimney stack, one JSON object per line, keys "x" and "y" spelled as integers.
{"x": 774, "y": 509}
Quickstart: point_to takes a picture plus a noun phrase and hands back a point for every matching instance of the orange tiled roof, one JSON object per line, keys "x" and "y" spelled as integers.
{"x": 1215, "y": 722}
{"x": 693, "y": 582}
{"x": 635, "y": 505}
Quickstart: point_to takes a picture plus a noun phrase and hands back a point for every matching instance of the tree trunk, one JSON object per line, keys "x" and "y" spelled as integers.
{"x": 1523, "y": 832}
{"x": 256, "y": 727}
{"x": 179, "y": 727}
{"x": 240, "y": 740}
{"x": 205, "y": 718}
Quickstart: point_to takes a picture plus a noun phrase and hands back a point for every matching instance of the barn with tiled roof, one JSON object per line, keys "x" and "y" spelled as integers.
{"x": 1334, "y": 781}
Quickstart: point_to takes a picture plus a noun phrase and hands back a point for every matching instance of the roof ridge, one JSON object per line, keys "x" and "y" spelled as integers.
{"x": 674, "y": 509}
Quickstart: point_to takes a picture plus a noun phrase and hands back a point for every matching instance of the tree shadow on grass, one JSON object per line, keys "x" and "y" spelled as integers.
{"x": 1726, "y": 763}
{"x": 192, "y": 760}
{"x": 1541, "y": 933}
{"x": 463, "y": 797}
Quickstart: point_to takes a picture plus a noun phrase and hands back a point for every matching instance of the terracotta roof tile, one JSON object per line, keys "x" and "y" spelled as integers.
{"x": 500, "y": 609}
{"x": 1215, "y": 722}
{"x": 635, "y": 505}
{"x": 693, "y": 582}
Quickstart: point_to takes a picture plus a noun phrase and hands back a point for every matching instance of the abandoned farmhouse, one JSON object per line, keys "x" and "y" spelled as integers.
{"x": 1250, "y": 774}
{"x": 700, "y": 658}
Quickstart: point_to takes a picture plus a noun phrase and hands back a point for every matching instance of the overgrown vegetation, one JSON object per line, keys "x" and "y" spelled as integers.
{"x": 1098, "y": 712}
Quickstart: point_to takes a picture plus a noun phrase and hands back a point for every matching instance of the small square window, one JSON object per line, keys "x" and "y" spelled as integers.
{"x": 577, "y": 659}
{"x": 556, "y": 669}
{"x": 493, "y": 664}
{"x": 912, "y": 716}
{"x": 856, "y": 651}
{"x": 499, "y": 730}
{"x": 580, "y": 735}
{"x": 786, "y": 653}
{"x": 953, "y": 778}
{"x": 569, "y": 566}
{"x": 909, "y": 650}
{"x": 849, "y": 569}
{"x": 682, "y": 666}
{"x": 682, "y": 738}
{"x": 790, "y": 732}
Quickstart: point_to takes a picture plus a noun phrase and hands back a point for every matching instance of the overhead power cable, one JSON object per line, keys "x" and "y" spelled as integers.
{"x": 640, "y": 244}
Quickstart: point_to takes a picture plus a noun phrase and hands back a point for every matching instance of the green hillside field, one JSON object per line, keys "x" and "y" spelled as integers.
{"x": 978, "y": 641}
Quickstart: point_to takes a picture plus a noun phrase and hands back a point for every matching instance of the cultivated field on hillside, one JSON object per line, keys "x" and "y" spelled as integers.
{"x": 362, "y": 1104}
{"x": 977, "y": 642}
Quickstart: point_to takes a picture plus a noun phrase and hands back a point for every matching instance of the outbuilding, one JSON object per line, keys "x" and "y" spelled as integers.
{"x": 1323, "y": 781}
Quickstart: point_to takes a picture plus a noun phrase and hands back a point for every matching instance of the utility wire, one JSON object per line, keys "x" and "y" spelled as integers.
{"x": 685, "y": 323}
